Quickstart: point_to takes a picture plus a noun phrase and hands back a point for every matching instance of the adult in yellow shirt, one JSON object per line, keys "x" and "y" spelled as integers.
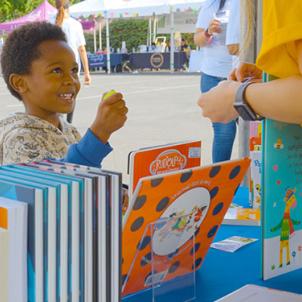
{"x": 280, "y": 56}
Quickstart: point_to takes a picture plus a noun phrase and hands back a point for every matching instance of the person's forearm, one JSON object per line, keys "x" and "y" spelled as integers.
{"x": 279, "y": 99}
{"x": 84, "y": 59}
{"x": 200, "y": 39}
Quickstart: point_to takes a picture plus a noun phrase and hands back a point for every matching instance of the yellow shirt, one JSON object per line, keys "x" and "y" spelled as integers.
{"x": 282, "y": 26}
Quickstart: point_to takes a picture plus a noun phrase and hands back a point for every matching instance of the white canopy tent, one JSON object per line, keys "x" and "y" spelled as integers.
{"x": 134, "y": 8}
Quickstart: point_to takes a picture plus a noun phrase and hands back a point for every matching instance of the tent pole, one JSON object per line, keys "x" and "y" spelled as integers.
{"x": 108, "y": 44}
{"x": 171, "y": 39}
{"x": 149, "y": 40}
{"x": 154, "y": 28}
{"x": 100, "y": 35}
{"x": 94, "y": 37}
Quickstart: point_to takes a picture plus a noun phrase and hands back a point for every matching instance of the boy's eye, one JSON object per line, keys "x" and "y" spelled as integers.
{"x": 57, "y": 70}
{"x": 75, "y": 70}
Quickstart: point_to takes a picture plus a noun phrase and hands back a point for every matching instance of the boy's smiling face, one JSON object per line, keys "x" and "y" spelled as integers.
{"x": 52, "y": 85}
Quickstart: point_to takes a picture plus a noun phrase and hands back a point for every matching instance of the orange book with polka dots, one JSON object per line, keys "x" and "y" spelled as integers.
{"x": 162, "y": 159}
{"x": 194, "y": 201}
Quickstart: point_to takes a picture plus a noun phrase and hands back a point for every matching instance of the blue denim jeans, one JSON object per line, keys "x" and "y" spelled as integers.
{"x": 224, "y": 134}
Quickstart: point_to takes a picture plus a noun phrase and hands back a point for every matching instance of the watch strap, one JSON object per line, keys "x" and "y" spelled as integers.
{"x": 245, "y": 111}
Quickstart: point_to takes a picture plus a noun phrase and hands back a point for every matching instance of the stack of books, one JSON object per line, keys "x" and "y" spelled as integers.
{"x": 74, "y": 232}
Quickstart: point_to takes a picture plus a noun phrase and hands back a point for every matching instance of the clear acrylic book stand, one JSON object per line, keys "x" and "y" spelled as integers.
{"x": 169, "y": 264}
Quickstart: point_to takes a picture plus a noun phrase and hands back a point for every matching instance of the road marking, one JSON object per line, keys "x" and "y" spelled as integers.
{"x": 144, "y": 91}
{"x": 14, "y": 106}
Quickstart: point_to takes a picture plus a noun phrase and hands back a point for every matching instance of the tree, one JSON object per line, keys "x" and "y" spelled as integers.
{"x": 133, "y": 31}
{"x": 12, "y": 9}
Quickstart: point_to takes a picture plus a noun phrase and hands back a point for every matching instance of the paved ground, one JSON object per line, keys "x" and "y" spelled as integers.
{"x": 162, "y": 109}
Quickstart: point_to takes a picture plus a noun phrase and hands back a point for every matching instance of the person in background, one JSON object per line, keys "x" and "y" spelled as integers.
{"x": 39, "y": 69}
{"x": 75, "y": 38}
{"x": 185, "y": 48}
{"x": 216, "y": 65}
{"x": 167, "y": 47}
{"x": 183, "y": 45}
{"x": 153, "y": 47}
{"x": 281, "y": 57}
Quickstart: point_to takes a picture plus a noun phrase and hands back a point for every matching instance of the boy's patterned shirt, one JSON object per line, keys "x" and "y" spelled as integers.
{"x": 25, "y": 138}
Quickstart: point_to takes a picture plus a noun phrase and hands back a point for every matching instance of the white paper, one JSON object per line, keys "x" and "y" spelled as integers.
{"x": 232, "y": 244}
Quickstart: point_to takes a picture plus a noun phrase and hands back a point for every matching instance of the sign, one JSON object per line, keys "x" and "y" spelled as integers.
{"x": 157, "y": 60}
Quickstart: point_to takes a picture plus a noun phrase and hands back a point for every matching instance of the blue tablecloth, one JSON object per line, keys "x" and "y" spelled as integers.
{"x": 222, "y": 272}
{"x": 100, "y": 60}
{"x": 160, "y": 60}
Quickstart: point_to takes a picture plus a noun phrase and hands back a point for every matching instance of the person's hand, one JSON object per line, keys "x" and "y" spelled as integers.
{"x": 111, "y": 116}
{"x": 214, "y": 27}
{"x": 233, "y": 49}
{"x": 87, "y": 79}
{"x": 244, "y": 71}
{"x": 217, "y": 103}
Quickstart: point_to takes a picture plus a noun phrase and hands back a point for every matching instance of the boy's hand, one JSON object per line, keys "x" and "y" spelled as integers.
{"x": 111, "y": 116}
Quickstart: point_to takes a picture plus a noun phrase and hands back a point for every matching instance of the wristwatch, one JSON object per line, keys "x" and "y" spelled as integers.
{"x": 245, "y": 111}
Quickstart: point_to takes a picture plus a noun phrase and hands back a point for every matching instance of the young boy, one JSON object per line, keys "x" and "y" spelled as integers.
{"x": 40, "y": 69}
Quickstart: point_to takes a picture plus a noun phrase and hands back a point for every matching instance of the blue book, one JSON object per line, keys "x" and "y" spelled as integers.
{"x": 76, "y": 264}
{"x": 115, "y": 204}
{"x": 57, "y": 248}
{"x": 282, "y": 198}
{"x": 36, "y": 197}
{"x": 113, "y": 214}
{"x": 89, "y": 201}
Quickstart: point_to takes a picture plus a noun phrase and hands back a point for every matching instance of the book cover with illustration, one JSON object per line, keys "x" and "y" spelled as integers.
{"x": 195, "y": 201}
{"x": 282, "y": 198}
{"x": 162, "y": 159}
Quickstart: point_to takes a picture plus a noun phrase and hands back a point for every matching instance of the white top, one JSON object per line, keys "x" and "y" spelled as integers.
{"x": 75, "y": 36}
{"x": 233, "y": 29}
{"x": 216, "y": 61}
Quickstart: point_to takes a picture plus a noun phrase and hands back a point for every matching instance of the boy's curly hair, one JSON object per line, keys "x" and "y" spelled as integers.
{"x": 21, "y": 48}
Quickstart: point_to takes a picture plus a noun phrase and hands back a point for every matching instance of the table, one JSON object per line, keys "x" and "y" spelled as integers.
{"x": 157, "y": 60}
{"x": 222, "y": 273}
{"x": 100, "y": 61}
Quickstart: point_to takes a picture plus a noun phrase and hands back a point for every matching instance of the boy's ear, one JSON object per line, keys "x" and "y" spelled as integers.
{"x": 18, "y": 83}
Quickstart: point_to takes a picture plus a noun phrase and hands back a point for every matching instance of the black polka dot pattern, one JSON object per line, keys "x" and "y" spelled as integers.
{"x": 214, "y": 171}
{"x": 195, "y": 248}
{"x": 139, "y": 202}
{"x": 173, "y": 267}
{"x": 155, "y": 198}
{"x": 185, "y": 176}
{"x": 170, "y": 256}
{"x": 236, "y": 189}
{"x": 146, "y": 259}
{"x": 212, "y": 232}
{"x": 146, "y": 240}
{"x": 162, "y": 204}
{"x": 197, "y": 263}
{"x": 156, "y": 182}
{"x": 218, "y": 208}
{"x": 214, "y": 192}
{"x": 197, "y": 231}
{"x": 124, "y": 278}
{"x": 137, "y": 224}
{"x": 235, "y": 172}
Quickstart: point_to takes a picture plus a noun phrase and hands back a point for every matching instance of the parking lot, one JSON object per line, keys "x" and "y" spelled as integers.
{"x": 162, "y": 109}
